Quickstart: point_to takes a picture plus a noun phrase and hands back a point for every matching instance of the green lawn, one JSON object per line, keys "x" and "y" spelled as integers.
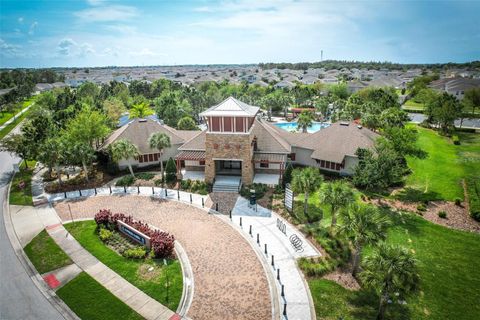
{"x": 135, "y": 271}
{"x": 13, "y": 124}
{"x": 448, "y": 262}
{"x": 21, "y": 190}
{"x": 439, "y": 176}
{"x": 91, "y": 301}
{"x": 45, "y": 254}
{"x": 5, "y": 116}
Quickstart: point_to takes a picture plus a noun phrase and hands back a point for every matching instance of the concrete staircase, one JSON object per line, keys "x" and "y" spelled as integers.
{"x": 227, "y": 184}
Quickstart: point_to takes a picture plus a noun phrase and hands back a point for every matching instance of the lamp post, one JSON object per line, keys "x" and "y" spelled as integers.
{"x": 166, "y": 275}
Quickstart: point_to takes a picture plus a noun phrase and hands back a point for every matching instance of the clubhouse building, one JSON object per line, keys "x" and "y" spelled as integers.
{"x": 237, "y": 142}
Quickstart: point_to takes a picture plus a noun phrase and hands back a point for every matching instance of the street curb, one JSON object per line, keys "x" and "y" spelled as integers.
{"x": 33, "y": 274}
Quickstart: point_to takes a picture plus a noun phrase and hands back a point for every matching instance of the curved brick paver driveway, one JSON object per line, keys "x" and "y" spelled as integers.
{"x": 229, "y": 280}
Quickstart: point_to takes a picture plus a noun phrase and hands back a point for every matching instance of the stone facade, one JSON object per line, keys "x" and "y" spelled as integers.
{"x": 220, "y": 146}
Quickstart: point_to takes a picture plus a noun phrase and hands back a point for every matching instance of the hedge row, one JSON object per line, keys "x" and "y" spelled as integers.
{"x": 162, "y": 242}
{"x": 473, "y": 190}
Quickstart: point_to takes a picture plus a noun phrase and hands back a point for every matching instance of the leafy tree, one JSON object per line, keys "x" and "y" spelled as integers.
{"x": 363, "y": 225}
{"x": 471, "y": 99}
{"x": 392, "y": 272}
{"x": 54, "y": 153}
{"x": 88, "y": 92}
{"x": 186, "y": 123}
{"x": 83, "y": 153}
{"x": 140, "y": 110}
{"x": 404, "y": 141}
{"x": 306, "y": 180}
{"x": 305, "y": 120}
{"x": 88, "y": 127}
{"x": 287, "y": 175}
{"x": 124, "y": 149}
{"x": 17, "y": 144}
{"x": 159, "y": 141}
{"x": 379, "y": 169}
{"x": 171, "y": 107}
{"x": 338, "y": 91}
{"x": 337, "y": 195}
{"x": 443, "y": 111}
{"x": 171, "y": 171}
{"x": 393, "y": 117}
{"x": 113, "y": 108}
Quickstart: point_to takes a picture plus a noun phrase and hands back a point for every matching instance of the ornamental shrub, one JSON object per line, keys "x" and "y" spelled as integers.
{"x": 473, "y": 191}
{"x": 102, "y": 217}
{"x": 145, "y": 175}
{"x": 422, "y": 207}
{"x": 171, "y": 171}
{"x": 162, "y": 244}
{"x": 137, "y": 253}
{"x": 125, "y": 181}
{"x": 105, "y": 234}
{"x": 456, "y": 140}
{"x": 458, "y": 202}
{"x": 442, "y": 214}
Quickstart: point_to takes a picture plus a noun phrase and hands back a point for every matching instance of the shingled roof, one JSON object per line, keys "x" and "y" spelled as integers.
{"x": 268, "y": 139}
{"x": 231, "y": 107}
{"x": 138, "y": 131}
{"x": 339, "y": 140}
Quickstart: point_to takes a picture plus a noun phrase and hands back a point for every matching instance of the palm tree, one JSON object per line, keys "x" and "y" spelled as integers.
{"x": 83, "y": 153}
{"x": 124, "y": 149}
{"x": 140, "y": 110}
{"x": 307, "y": 181}
{"x": 363, "y": 225}
{"x": 305, "y": 120}
{"x": 392, "y": 272}
{"x": 159, "y": 141}
{"x": 53, "y": 153}
{"x": 337, "y": 195}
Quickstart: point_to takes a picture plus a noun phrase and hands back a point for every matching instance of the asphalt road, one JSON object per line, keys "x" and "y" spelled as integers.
{"x": 19, "y": 297}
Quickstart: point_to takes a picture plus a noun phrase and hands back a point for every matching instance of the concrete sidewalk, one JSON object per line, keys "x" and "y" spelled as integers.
{"x": 122, "y": 289}
{"x": 264, "y": 222}
{"x": 14, "y": 118}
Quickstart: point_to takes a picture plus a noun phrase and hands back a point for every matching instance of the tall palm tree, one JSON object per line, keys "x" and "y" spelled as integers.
{"x": 307, "y": 181}
{"x": 84, "y": 153}
{"x": 363, "y": 225}
{"x": 337, "y": 195}
{"x": 392, "y": 272}
{"x": 140, "y": 110}
{"x": 159, "y": 141}
{"x": 124, "y": 149}
{"x": 305, "y": 120}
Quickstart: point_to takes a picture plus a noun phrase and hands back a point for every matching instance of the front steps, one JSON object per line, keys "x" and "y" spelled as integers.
{"x": 227, "y": 184}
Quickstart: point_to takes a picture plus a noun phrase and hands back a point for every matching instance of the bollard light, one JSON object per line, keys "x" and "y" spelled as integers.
{"x": 278, "y": 274}
{"x": 283, "y": 291}
{"x": 266, "y": 249}
{"x": 250, "y": 231}
{"x": 110, "y": 187}
{"x": 258, "y": 238}
{"x": 273, "y": 261}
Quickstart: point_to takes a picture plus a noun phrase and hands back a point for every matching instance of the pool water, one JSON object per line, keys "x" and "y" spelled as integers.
{"x": 292, "y": 126}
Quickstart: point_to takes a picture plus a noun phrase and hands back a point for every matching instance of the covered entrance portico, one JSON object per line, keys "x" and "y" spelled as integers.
{"x": 228, "y": 167}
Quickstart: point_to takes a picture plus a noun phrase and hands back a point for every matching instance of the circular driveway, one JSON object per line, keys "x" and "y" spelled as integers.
{"x": 229, "y": 280}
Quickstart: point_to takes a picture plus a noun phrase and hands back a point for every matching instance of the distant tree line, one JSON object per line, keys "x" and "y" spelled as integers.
{"x": 373, "y": 65}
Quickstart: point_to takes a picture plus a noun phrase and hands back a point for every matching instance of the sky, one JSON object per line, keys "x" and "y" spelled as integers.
{"x": 89, "y": 33}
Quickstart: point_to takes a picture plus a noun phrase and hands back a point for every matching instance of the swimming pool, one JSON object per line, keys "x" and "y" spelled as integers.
{"x": 292, "y": 126}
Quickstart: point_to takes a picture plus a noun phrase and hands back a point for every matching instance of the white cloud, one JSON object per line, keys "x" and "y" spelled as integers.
{"x": 33, "y": 26}
{"x": 125, "y": 29}
{"x": 145, "y": 52}
{"x": 65, "y": 45}
{"x": 20, "y": 20}
{"x": 9, "y": 50}
{"x": 107, "y": 13}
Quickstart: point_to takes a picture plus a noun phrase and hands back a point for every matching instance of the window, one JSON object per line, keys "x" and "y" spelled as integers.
{"x": 292, "y": 156}
{"x": 338, "y": 166}
{"x": 264, "y": 164}
{"x": 140, "y": 159}
{"x": 239, "y": 127}
{"x": 215, "y": 124}
{"x": 150, "y": 157}
{"x": 155, "y": 156}
{"x": 145, "y": 157}
{"x": 227, "y": 124}
{"x": 322, "y": 163}
{"x": 201, "y": 162}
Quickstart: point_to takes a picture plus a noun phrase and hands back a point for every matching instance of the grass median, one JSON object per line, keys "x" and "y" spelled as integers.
{"x": 150, "y": 276}
{"x": 91, "y": 301}
{"x": 45, "y": 254}
{"x": 21, "y": 190}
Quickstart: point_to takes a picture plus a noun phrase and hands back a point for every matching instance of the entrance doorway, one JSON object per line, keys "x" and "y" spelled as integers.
{"x": 228, "y": 167}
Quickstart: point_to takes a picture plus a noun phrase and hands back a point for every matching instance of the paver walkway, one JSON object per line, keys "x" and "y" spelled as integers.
{"x": 229, "y": 280}
{"x": 122, "y": 289}
{"x": 264, "y": 222}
